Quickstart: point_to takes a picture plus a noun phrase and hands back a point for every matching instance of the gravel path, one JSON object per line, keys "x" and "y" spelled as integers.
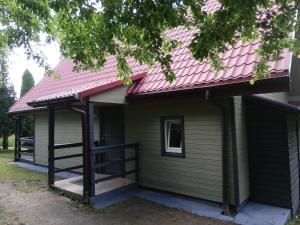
{"x": 44, "y": 207}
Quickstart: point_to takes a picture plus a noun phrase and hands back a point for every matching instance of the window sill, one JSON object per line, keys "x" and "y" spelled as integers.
{"x": 173, "y": 154}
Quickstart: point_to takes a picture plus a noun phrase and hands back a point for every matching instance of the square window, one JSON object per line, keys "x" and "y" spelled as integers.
{"x": 172, "y": 135}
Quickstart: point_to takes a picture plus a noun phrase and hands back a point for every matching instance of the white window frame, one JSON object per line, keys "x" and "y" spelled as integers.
{"x": 167, "y": 129}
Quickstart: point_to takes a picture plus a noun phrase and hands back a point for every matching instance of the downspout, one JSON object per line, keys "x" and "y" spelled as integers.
{"x": 225, "y": 181}
{"x": 234, "y": 155}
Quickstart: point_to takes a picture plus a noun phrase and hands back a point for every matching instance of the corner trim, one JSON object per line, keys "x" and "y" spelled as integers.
{"x": 234, "y": 154}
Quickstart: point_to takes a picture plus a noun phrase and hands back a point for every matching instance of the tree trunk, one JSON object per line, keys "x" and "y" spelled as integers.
{"x": 5, "y": 142}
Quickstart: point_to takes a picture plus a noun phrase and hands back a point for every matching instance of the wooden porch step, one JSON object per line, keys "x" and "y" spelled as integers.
{"x": 103, "y": 190}
{"x": 104, "y": 196}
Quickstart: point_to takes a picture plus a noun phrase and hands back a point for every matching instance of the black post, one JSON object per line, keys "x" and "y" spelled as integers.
{"x": 19, "y": 121}
{"x": 137, "y": 163}
{"x": 51, "y": 127}
{"x": 16, "y": 139}
{"x": 123, "y": 163}
{"x": 90, "y": 158}
{"x": 85, "y": 160}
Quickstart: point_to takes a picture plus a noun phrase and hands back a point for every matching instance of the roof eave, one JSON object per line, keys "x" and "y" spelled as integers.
{"x": 25, "y": 111}
{"x": 274, "y": 103}
{"x": 282, "y": 79}
{"x": 44, "y": 103}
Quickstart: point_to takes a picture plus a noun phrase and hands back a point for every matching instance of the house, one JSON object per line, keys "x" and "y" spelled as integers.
{"x": 208, "y": 135}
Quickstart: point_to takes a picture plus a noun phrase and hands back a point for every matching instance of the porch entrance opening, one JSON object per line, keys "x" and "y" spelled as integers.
{"x": 24, "y": 147}
{"x": 107, "y": 168}
{"x": 111, "y": 133}
{"x": 273, "y": 154}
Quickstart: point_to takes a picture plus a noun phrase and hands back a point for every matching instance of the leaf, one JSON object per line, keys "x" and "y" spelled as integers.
{"x": 57, "y": 77}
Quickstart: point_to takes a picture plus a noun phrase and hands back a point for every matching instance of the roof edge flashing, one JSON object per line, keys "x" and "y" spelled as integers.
{"x": 109, "y": 86}
{"x": 281, "y": 105}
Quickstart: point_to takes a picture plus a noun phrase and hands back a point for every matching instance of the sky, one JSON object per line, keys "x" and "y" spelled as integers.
{"x": 18, "y": 62}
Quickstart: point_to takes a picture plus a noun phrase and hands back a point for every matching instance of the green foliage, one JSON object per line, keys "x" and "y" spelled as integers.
{"x": 27, "y": 82}
{"x": 27, "y": 126}
{"x": 27, "y": 121}
{"x": 7, "y": 98}
{"x": 11, "y": 142}
{"x": 88, "y": 31}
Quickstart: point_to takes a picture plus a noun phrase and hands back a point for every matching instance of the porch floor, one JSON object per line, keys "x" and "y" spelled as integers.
{"x": 74, "y": 185}
{"x": 27, "y": 157}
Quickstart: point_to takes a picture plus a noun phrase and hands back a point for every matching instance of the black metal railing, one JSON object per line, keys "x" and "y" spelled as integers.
{"x": 122, "y": 161}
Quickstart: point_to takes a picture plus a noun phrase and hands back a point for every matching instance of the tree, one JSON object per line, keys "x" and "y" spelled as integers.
{"x": 90, "y": 30}
{"x": 27, "y": 82}
{"x": 7, "y": 98}
{"x": 27, "y": 121}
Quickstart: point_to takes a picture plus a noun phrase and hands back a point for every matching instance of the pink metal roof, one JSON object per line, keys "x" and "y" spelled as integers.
{"x": 72, "y": 83}
{"x": 239, "y": 61}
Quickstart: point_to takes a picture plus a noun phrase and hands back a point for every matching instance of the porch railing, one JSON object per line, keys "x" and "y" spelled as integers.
{"x": 56, "y": 158}
{"x": 131, "y": 156}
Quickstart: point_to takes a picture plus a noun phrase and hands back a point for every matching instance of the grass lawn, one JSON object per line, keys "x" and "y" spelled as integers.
{"x": 295, "y": 221}
{"x": 23, "y": 180}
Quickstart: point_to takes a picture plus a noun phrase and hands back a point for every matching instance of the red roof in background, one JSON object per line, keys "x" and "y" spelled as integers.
{"x": 239, "y": 61}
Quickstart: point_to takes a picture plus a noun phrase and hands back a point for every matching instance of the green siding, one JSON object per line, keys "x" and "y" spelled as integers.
{"x": 199, "y": 174}
{"x": 67, "y": 130}
{"x": 115, "y": 96}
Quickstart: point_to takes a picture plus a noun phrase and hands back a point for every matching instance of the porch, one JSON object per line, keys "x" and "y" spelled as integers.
{"x": 24, "y": 146}
{"x": 251, "y": 213}
{"x": 74, "y": 186}
{"x": 106, "y": 168}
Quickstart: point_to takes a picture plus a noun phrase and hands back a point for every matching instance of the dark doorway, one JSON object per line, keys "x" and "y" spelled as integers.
{"x": 269, "y": 155}
{"x": 112, "y": 133}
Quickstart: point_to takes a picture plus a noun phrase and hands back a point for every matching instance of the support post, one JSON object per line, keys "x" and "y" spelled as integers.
{"x": 16, "y": 139}
{"x": 88, "y": 157}
{"x": 85, "y": 160}
{"x": 123, "y": 164}
{"x": 51, "y": 127}
{"x": 137, "y": 163}
{"x": 19, "y": 121}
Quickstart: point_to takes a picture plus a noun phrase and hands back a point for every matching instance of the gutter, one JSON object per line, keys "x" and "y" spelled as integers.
{"x": 68, "y": 99}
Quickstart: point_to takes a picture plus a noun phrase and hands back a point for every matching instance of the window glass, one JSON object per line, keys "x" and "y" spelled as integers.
{"x": 174, "y": 135}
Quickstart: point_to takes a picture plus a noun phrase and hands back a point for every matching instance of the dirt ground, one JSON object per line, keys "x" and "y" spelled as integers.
{"x": 29, "y": 202}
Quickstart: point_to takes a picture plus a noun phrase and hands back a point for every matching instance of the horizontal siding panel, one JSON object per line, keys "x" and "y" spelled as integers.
{"x": 67, "y": 130}
{"x": 199, "y": 174}
{"x": 180, "y": 188}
